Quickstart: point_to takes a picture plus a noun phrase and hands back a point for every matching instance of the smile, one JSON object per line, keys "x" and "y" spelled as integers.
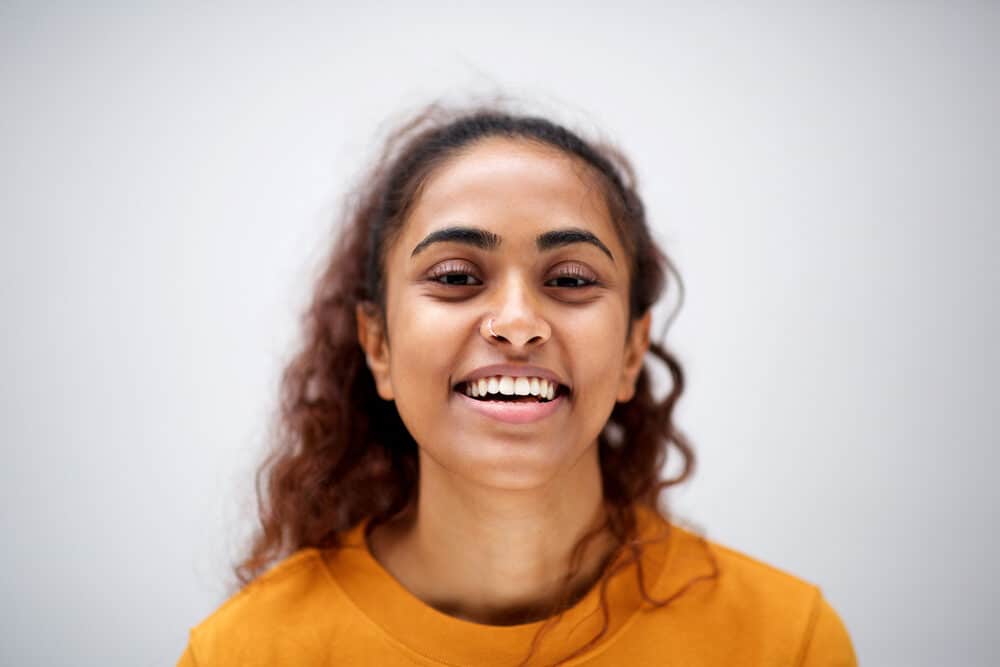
{"x": 515, "y": 389}
{"x": 513, "y": 394}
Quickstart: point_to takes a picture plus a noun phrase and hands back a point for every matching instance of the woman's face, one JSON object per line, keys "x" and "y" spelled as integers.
{"x": 517, "y": 237}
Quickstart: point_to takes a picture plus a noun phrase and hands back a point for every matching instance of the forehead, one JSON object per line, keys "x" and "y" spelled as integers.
{"x": 514, "y": 188}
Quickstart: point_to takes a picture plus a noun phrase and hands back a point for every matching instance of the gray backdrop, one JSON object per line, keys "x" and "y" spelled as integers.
{"x": 824, "y": 176}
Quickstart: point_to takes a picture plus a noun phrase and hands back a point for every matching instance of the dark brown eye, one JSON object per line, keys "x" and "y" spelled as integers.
{"x": 458, "y": 279}
{"x": 454, "y": 273}
{"x": 572, "y": 281}
{"x": 573, "y": 276}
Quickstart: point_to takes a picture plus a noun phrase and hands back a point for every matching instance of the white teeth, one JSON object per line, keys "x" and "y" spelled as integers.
{"x": 512, "y": 386}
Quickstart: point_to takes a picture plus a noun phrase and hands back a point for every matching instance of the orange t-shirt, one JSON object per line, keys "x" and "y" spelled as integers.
{"x": 340, "y": 607}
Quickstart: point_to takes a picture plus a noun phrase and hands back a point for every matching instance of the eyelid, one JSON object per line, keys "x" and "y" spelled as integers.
{"x": 575, "y": 270}
{"x": 451, "y": 266}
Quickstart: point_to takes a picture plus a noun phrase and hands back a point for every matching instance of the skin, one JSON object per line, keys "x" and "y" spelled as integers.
{"x": 500, "y": 506}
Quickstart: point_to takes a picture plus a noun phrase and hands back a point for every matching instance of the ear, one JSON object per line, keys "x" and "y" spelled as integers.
{"x": 635, "y": 352}
{"x": 371, "y": 335}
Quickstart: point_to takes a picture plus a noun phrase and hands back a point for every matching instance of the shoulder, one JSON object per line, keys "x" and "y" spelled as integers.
{"x": 284, "y": 606}
{"x": 274, "y": 593}
{"x": 764, "y": 586}
{"x": 771, "y": 614}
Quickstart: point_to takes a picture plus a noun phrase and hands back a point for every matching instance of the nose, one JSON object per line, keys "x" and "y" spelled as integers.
{"x": 518, "y": 323}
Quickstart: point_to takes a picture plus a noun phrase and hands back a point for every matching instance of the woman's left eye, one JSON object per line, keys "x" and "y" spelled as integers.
{"x": 572, "y": 281}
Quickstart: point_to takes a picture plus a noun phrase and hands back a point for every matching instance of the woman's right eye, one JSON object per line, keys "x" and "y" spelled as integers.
{"x": 456, "y": 278}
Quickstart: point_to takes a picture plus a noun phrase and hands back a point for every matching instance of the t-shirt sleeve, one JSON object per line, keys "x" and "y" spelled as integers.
{"x": 827, "y": 643}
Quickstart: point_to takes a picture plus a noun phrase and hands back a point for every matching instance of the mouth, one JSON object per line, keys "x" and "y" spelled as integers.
{"x": 514, "y": 409}
{"x": 497, "y": 392}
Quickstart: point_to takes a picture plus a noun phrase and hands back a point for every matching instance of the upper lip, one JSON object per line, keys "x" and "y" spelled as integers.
{"x": 514, "y": 370}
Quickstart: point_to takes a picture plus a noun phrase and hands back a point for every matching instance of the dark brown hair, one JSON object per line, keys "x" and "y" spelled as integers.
{"x": 343, "y": 455}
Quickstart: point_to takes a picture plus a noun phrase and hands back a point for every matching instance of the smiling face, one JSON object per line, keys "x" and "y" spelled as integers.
{"x": 516, "y": 237}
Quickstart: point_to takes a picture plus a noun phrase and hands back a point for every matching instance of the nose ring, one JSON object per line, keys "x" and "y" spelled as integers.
{"x": 489, "y": 325}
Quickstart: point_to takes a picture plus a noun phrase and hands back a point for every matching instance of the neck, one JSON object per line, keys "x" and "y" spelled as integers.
{"x": 498, "y": 556}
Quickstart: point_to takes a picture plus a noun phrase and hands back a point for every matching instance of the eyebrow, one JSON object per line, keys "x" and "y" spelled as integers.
{"x": 485, "y": 240}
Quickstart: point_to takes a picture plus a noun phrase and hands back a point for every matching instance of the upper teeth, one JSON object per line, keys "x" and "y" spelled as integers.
{"x": 511, "y": 386}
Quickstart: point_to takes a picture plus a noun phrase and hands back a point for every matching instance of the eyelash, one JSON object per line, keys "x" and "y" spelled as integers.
{"x": 437, "y": 274}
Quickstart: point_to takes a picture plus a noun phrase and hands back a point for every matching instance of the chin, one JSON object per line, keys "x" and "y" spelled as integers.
{"x": 510, "y": 466}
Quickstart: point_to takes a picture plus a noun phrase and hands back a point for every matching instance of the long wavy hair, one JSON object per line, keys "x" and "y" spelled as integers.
{"x": 342, "y": 455}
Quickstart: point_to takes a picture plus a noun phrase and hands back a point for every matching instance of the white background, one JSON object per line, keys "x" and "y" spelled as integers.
{"x": 825, "y": 178}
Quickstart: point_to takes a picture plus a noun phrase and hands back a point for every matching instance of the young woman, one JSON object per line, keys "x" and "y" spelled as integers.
{"x": 472, "y": 455}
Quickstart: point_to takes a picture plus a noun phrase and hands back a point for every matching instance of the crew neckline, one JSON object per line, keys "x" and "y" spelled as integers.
{"x": 423, "y": 631}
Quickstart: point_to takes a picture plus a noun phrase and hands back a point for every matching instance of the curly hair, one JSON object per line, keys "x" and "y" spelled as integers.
{"x": 343, "y": 455}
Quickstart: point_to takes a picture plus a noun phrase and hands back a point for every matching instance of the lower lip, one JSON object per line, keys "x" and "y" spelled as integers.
{"x": 513, "y": 413}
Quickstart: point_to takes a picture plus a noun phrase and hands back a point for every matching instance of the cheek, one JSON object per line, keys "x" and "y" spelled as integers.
{"x": 597, "y": 347}
{"x": 422, "y": 354}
